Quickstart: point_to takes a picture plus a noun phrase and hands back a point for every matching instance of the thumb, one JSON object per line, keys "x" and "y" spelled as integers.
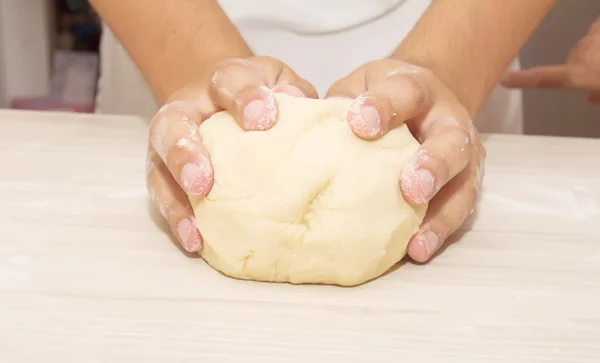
{"x": 557, "y": 76}
{"x": 387, "y": 104}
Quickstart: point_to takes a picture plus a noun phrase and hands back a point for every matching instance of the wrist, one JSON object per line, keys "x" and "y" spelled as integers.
{"x": 172, "y": 42}
{"x": 471, "y": 91}
{"x": 468, "y": 44}
{"x": 195, "y": 54}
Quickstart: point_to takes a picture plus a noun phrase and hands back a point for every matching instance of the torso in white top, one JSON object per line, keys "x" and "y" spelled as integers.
{"x": 308, "y": 16}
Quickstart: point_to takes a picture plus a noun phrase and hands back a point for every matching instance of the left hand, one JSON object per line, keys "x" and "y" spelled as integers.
{"x": 582, "y": 70}
{"x": 179, "y": 164}
{"x": 448, "y": 168}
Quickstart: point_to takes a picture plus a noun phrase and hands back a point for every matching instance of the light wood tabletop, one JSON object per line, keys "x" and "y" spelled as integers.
{"x": 87, "y": 273}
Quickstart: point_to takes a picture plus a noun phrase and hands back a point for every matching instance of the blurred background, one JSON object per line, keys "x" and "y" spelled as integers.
{"x": 51, "y": 55}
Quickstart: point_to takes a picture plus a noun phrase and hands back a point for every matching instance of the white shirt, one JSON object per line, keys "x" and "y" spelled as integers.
{"x": 308, "y": 16}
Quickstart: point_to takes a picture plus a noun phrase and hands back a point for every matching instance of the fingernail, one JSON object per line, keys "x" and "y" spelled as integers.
{"x": 189, "y": 236}
{"x": 417, "y": 184}
{"x": 429, "y": 241}
{"x": 196, "y": 178}
{"x": 366, "y": 121}
{"x": 289, "y": 90}
{"x": 260, "y": 115}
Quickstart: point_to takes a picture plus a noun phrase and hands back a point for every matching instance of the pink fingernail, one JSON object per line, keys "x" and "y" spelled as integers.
{"x": 196, "y": 178}
{"x": 417, "y": 184}
{"x": 260, "y": 115}
{"x": 289, "y": 90}
{"x": 189, "y": 236}
{"x": 428, "y": 240}
{"x": 365, "y": 120}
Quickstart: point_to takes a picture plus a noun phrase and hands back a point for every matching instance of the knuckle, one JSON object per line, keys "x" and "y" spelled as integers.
{"x": 428, "y": 73}
{"x": 444, "y": 226}
{"x": 187, "y": 143}
{"x": 463, "y": 138}
{"x": 161, "y": 200}
{"x": 467, "y": 210}
{"x": 374, "y": 64}
{"x": 223, "y": 67}
{"x": 187, "y": 208}
{"x": 482, "y": 151}
{"x": 265, "y": 59}
{"x": 150, "y": 164}
{"x": 595, "y": 27}
{"x": 233, "y": 62}
{"x": 175, "y": 157}
{"x": 158, "y": 117}
{"x": 271, "y": 70}
{"x": 158, "y": 134}
{"x": 175, "y": 110}
{"x": 418, "y": 93}
{"x": 179, "y": 153}
{"x": 467, "y": 207}
{"x": 151, "y": 184}
{"x": 268, "y": 61}
{"x": 173, "y": 120}
{"x": 585, "y": 43}
{"x": 473, "y": 191}
{"x": 438, "y": 165}
{"x": 477, "y": 182}
{"x": 444, "y": 170}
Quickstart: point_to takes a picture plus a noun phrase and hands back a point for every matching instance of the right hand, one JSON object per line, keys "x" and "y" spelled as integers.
{"x": 178, "y": 164}
{"x": 580, "y": 72}
{"x": 447, "y": 170}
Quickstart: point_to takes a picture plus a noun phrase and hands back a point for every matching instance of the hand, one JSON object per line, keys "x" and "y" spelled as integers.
{"x": 448, "y": 168}
{"x": 178, "y": 164}
{"x": 582, "y": 70}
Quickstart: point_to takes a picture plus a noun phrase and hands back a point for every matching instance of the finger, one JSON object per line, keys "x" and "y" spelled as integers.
{"x": 443, "y": 155}
{"x": 239, "y": 87}
{"x": 175, "y": 137}
{"x": 287, "y": 81}
{"x": 539, "y": 77}
{"x": 349, "y": 87}
{"x": 595, "y": 27}
{"x": 173, "y": 204}
{"x": 594, "y": 98}
{"x": 446, "y": 213}
{"x": 387, "y": 104}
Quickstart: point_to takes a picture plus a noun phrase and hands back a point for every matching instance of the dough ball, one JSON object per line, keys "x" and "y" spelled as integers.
{"x": 306, "y": 201}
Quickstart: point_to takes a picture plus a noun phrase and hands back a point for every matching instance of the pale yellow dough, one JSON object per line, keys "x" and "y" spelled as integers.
{"x": 306, "y": 201}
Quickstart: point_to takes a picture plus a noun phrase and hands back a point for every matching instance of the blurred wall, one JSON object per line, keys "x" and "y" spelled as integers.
{"x": 3, "y": 97}
{"x": 550, "y": 112}
{"x": 24, "y": 48}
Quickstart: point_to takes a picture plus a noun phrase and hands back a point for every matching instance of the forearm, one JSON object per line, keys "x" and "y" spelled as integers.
{"x": 172, "y": 42}
{"x": 469, "y": 44}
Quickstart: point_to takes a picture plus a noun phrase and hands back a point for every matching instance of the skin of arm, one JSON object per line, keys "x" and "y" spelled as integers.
{"x": 468, "y": 44}
{"x": 174, "y": 41}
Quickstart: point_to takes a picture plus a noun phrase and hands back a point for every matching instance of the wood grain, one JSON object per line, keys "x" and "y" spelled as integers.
{"x": 87, "y": 275}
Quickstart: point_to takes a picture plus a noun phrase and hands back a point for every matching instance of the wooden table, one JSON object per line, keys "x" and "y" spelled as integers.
{"x": 87, "y": 275}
